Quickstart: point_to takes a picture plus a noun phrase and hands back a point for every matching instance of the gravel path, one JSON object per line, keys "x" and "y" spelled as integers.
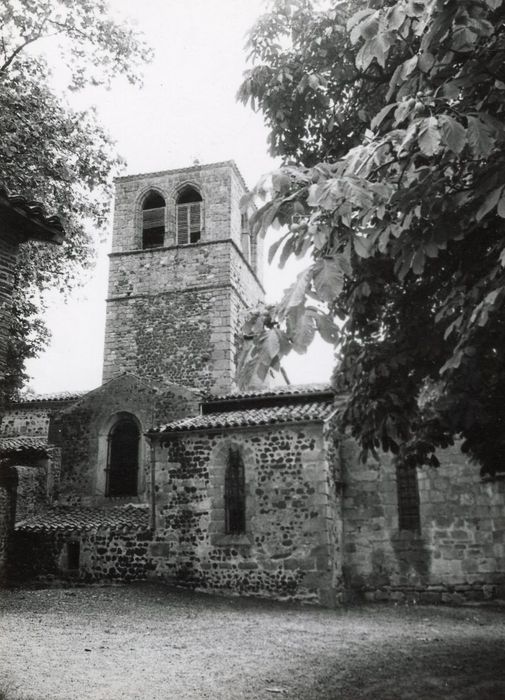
{"x": 152, "y": 643}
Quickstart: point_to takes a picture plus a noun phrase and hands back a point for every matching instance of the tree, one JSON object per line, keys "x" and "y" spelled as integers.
{"x": 51, "y": 153}
{"x": 390, "y": 122}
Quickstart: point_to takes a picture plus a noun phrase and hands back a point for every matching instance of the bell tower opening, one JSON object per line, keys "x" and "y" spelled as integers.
{"x": 153, "y": 221}
{"x": 189, "y": 216}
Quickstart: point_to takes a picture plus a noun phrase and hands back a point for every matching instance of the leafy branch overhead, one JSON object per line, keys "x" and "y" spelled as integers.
{"x": 390, "y": 120}
{"x": 52, "y": 153}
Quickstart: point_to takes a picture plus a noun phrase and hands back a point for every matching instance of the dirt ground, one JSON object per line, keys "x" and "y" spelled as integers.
{"x": 157, "y": 644}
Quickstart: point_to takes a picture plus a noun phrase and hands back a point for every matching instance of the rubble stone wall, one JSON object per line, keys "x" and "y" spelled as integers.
{"x": 26, "y": 419}
{"x": 459, "y": 551}
{"x": 285, "y": 551}
{"x": 104, "y": 555}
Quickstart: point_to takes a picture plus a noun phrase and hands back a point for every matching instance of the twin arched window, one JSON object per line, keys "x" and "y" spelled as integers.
{"x": 189, "y": 217}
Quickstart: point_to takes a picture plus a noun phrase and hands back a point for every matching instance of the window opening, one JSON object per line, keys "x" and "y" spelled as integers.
{"x": 245, "y": 237}
{"x": 73, "y": 555}
{"x": 122, "y": 466}
{"x": 234, "y": 494}
{"x": 189, "y": 216}
{"x": 153, "y": 221}
{"x": 408, "y": 498}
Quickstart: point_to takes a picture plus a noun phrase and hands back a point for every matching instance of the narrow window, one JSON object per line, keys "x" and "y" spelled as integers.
{"x": 73, "y": 555}
{"x": 153, "y": 221}
{"x": 123, "y": 460}
{"x": 234, "y": 494}
{"x": 189, "y": 216}
{"x": 245, "y": 237}
{"x": 408, "y": 498}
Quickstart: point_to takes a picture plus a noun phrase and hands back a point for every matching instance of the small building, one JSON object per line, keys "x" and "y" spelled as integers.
{"x": 21, "y": 220}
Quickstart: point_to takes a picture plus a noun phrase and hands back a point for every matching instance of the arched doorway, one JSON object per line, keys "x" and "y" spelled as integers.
{"x": 123, "y": 458}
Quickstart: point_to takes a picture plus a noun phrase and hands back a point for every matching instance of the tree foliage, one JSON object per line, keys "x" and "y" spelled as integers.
{"x": 52, "y": 153}
{"x": 389, "y": 117}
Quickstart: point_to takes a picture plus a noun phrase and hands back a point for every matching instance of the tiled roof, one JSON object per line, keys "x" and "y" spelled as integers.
{"x": 9, "y": 445}
{"x": 78, "y": 518}
{"x": 284, "y": 390}
{"x": 309, "y": 411}
{"x": 46, "y": 227}
{"x": 56, "y": 396}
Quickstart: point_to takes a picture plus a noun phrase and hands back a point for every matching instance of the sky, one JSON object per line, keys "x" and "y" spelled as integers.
{"x": 186, "y": 110}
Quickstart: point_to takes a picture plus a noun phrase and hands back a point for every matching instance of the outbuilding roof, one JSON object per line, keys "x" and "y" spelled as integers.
{"x": 269, "y": 415}
{"x": 79, "y": 518}
{"x": 30, "y": 217}
{"x": 22, "y": 444}
{"x": 60, "y": 396}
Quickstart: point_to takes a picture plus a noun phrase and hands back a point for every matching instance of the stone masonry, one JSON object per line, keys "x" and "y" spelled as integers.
{"x": 173, "y": 311}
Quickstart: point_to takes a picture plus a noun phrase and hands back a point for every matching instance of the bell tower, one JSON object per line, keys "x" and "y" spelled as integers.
{"x": 183, "y": 270}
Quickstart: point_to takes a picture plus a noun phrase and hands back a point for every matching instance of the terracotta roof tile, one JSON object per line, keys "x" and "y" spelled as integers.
{"x": 78, "y": 518}
{"x": 49, "y": 227}
{"x": 47, "y": 398}
{"x": 284, "y": 390}
{"x": 309, "y": 411}
{"x": 9, "y": 445}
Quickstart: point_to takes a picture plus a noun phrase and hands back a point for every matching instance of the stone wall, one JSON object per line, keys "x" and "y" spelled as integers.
{"x": 8, "y": 484}
{"x": 286, "y": 551}
{"x": 459, "y": 551}
{"x": 104, "y": 554}
{"x": 82, "y": 432}
{"x": 172, "y": 311}
{"x": 31, "y": 418}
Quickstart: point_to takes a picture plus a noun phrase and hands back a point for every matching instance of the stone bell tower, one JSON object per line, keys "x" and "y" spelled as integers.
{"x": 183, "y": 269}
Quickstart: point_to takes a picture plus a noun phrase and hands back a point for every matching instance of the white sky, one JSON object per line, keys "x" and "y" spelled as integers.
{"x": 186, "y": 110}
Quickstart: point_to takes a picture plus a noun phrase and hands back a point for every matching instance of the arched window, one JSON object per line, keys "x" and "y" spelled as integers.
{"x": 189, "y": 216}
{"x": 153, "y": 221}
{"x": 123, "y": 459}
{"x": 234, "y": 493}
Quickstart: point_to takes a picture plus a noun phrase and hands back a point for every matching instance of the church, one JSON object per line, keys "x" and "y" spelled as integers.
{"x": 168, "y": 472}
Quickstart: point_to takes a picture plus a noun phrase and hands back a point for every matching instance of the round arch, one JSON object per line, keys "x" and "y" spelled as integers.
{"x": 120, "y": 456}
{"x": 140, "y": 199}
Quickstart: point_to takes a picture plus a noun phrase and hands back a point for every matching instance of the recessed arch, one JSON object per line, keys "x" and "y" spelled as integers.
{"x": 105, "y": 429}
{"x": 232, "y": 466}
{"x": 123, "y": 457}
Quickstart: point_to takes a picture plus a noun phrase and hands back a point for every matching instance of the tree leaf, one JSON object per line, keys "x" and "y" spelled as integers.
{"x": 453, "y": 133}
{"x": 295, "y": 295}
{"x": 328, "y": 330}
{"x": 380, "y": 116}
{"x": 305, "y": 331}
{"x": 489, "y": 203}
{"x": 328, "y": 279}
{"x": 501, "y": 205}
{"x": 479, "y": 136}
{"x": 429, "y": 136}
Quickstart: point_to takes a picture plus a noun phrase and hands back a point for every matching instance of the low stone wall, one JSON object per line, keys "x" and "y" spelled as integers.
{"x": 104, "y": 555}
